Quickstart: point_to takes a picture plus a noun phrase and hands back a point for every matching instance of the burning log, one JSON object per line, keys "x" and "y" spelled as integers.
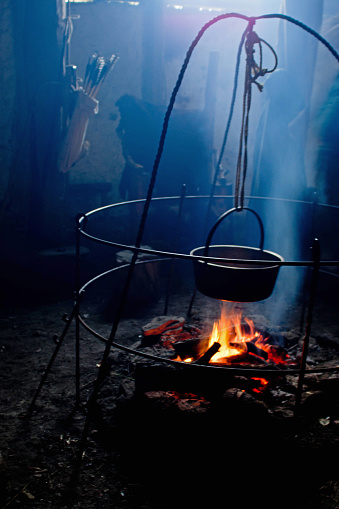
{"x": 277, "y": 354}
{"x": 207, "y": 356}
{"x": 191, "y": 348}
{"x": 255, "y": 350}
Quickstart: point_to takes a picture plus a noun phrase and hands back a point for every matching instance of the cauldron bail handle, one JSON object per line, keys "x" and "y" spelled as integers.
{"x": 227, "y": 213}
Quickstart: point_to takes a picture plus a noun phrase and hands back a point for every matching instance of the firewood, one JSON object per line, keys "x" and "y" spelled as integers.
{"x": 253, "y": 349}
{"x": 194, "y": 347}
{"x": 206, "y": 357}
{"x": 151, "y": 377}
{"x": 235, "y": 359}
{"x": 161, "y": 324}
{"x": 159, "y": 327}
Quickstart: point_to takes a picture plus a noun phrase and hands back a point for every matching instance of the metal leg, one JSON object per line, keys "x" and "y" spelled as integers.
{"x": 308, "y": 277}
{"x": 59, "y": 342}
{"x": 316, "y": 260}
{"x": 79, "y": 218}
{"x": 170, "y": 278}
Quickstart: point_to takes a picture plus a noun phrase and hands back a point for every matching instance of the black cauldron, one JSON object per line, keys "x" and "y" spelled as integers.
{"x": 233, "y": 280}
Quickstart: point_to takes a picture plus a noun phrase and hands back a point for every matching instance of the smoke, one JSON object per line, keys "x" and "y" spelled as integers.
{"x": 279, "y": 168}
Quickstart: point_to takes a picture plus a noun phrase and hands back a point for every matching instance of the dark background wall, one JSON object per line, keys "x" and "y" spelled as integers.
{"x": 32, "y": 60}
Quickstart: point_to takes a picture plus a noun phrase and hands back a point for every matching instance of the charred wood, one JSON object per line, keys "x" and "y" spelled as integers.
{"x": 157, "y": 377}
{"x": 207, "y": 356}
{"x": 161, "y": 324}
{"x": 254, "y": 350}
{"x": 153, "y": 331}
{"x": 191, "y": 348}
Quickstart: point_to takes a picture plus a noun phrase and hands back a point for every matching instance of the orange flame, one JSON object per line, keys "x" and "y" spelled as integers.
{"x": 222, "y": 331}
{"x": 232, "y": 335}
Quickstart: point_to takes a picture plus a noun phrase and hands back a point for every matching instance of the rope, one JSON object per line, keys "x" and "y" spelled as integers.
{"x": 228, "y": 125}
{"x": 257, "y": 71}
{"x": 304, "y": 27}
{"x": 252, "y": 73}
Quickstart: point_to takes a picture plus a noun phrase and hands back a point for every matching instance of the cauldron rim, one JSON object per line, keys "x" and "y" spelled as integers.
{"x": 222, "y": 265}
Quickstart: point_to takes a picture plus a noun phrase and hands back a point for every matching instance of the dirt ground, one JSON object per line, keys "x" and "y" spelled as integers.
{"x": 160, "y": 449}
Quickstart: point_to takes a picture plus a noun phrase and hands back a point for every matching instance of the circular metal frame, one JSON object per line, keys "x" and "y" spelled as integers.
{"x": 159, "y": 256}
{"x": 83, "y": 219}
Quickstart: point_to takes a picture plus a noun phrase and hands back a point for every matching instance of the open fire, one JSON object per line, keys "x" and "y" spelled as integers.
{"x": 234, "y": 339}
{"x": 238, "y": 337}
{"x": 253, "y": 354}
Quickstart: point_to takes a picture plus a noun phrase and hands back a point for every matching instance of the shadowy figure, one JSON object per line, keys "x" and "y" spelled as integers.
{"x": 185, "y": 157}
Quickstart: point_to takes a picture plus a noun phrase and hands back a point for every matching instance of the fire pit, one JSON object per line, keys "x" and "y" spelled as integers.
{"x": 233, "y": 349}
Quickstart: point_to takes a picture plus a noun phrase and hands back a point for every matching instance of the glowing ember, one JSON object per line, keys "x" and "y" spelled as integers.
{"x": 263, "y": 383}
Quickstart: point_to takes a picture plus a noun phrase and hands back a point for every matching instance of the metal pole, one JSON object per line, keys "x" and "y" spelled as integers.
{"x": 306, "y": 282}
{"x": 314, "y": 282}
{"x": 170, "y": 277}
{"x": 74, "y": 313}
{"x": 78, "y": 219}
{"x": 59, "y": 342}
